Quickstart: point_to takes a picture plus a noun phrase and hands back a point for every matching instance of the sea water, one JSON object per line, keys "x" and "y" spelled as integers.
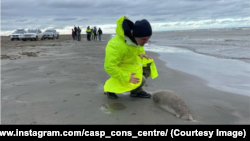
{"x": 220, "y": 56}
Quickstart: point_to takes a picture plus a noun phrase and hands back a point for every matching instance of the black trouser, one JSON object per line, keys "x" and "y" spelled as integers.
{"x": 146, "y": 74}
{"x": 76, "y": 36}
{"x": 95, "y": 37}
{"x": 88, "y": 36}
{"x": 79, "y": 37}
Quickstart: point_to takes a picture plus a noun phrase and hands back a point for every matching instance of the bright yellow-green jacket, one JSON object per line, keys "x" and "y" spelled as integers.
{"x": 121, "y": 59}
{"x": 88, "y": 30}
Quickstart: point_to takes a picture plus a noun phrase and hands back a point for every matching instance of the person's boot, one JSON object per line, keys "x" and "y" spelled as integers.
{"x": 111, "y": 95}
{"x": 141, "y": 94}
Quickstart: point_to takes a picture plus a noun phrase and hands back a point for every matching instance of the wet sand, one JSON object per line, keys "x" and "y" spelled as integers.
{"x": 63, "y": 84}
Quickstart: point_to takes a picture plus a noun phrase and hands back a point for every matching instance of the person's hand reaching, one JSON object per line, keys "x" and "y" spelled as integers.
{"x": 134, "y": 79}
{"x": 145, "y": 56}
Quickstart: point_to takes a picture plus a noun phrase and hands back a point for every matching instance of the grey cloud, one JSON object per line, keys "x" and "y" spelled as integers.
{"x": 225, "y": 22}
{"x": 210, "y": 22}
{"x": 21, "y": 20}
{"x": 178, "y": 24}
{"x": 84, "y": 19}
{"x": 243, "y": 21}
{"x": 69, "y": 12}
{"x": 190, "y": 24}
{"x": 165, "y": 25}
{"x": 159, "y": 19}
{"x": 64, "y": 19}
{"x": 12, "y": 27}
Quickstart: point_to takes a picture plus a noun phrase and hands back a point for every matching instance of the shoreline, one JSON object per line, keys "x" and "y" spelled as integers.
{"x": 187, "y": 85}
{"x": 246, "y": 60}
{"x": 223, "y": 74}
{"x": 64, "y": 85}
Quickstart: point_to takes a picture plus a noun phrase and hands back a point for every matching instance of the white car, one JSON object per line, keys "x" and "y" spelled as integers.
{"x": 17, "y": 34}
{"x": 32, "y": 34}
{"x": 50, "y": 34}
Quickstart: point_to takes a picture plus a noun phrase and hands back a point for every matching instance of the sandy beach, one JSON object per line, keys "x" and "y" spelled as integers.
{"x": 61, "y": 82}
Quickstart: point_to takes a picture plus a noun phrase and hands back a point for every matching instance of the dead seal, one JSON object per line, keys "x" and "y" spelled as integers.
{"x": 173, "y": 103}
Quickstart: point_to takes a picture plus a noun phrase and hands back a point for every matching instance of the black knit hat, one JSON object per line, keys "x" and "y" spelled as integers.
{"x": 142, "y": 28}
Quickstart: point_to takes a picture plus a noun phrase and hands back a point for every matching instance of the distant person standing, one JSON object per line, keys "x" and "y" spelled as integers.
{"x": 92, "y": 34}
{"x": 73, "y": 34}
{"x": 95, "y": 36}
{"x": 79, "y": 33}
{"x": 99, "y": 33}
{"x": 88, "y": 31}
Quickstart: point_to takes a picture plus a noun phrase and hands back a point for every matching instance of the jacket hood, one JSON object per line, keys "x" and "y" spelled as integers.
{"x": 119, "y": 30}
{"x": 123, "y": 29}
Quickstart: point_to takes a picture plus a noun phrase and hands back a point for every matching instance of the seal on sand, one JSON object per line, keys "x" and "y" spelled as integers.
{"x": 173, "y": 103}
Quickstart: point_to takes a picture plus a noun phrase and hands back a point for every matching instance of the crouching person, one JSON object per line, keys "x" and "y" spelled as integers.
{"x": 126, "y": 61}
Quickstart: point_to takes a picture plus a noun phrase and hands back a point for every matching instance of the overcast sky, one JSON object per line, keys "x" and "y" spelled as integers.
{"x": 162, "y": 14}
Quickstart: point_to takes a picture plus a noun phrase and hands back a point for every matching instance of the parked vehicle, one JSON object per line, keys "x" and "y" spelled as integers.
{"x": 50, "y": 34}
{"x": 32, "y": 34}
{"x": 17, "y": 34}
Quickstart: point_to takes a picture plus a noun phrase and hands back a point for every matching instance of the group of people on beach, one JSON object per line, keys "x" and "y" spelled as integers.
{"x": 76, "y": 33}
{"x": 91, "y": 33}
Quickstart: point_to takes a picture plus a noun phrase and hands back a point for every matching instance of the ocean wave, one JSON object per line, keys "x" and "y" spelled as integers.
{"x": 229, "y": 43}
